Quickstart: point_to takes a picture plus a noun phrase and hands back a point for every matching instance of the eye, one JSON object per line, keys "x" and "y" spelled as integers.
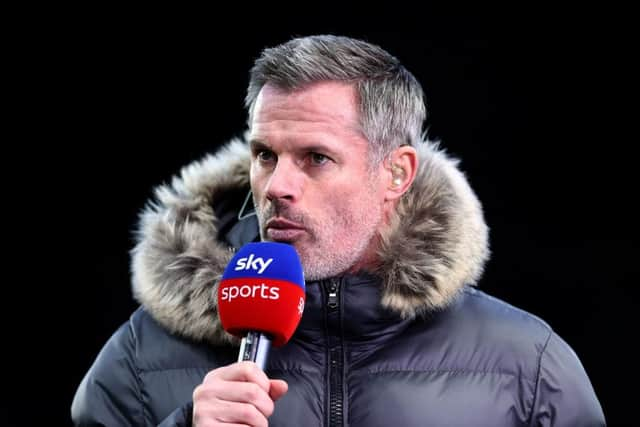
{"x": 318, "y": 159}
{"x": 265, "y": 155}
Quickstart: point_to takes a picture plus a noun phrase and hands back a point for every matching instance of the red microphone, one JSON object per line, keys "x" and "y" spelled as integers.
{"x": 261, "y": 298}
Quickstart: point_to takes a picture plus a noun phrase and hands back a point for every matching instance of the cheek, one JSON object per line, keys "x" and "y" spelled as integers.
{"x": 344, "y": 202}
{"x": 254, "y": 182}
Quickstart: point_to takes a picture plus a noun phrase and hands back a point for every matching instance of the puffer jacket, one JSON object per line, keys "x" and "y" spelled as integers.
{"x": 411, "y": 344}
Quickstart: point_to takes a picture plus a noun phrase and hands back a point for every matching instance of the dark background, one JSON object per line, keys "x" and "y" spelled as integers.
{"x": 531, "y": 101}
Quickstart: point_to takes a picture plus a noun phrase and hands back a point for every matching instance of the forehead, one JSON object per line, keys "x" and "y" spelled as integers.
{"x": 324, "y": 106}
{"x": 335, "y": 99}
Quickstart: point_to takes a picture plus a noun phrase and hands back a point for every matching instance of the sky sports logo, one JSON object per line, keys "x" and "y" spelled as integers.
{"x": 256, "y": 265}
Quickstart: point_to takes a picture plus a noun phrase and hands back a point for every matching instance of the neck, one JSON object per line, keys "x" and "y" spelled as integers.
{"x": 370, "y": 260}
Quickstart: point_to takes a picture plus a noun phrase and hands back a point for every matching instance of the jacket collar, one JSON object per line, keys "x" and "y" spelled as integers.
{"x": 437, "y": 242}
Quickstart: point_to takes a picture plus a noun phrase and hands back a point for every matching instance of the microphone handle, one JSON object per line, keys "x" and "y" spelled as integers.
{"x": 255, "y": 348}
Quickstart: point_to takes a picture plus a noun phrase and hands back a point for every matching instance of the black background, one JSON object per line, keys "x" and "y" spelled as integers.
{"x": 111, "y": 103}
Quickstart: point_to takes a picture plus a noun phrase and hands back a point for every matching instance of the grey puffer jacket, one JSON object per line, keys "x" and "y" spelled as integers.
{"x": 412, "y": 344}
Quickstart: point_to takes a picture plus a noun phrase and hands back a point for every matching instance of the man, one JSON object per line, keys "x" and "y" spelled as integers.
{"x": 391, "y": 238}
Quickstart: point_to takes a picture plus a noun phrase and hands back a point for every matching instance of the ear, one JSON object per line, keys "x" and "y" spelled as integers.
{"x": 401, "y": 167}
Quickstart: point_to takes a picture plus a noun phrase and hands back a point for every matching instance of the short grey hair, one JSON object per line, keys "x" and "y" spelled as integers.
{"x": 390, "y": 99}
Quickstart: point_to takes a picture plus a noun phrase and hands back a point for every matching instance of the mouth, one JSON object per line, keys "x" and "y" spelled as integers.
{"x": 283, "y": 230}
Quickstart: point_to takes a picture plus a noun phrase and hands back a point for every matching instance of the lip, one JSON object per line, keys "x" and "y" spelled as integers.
{"x": 283, "y": 224}
{"x": 280, "y": 229}
{"x": 284, "y": 234}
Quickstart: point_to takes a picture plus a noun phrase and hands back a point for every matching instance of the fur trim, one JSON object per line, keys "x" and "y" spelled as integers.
{"x": 178, "y": 262}
{"x": 438, "y": 242}
{"x": 438, "y": 239}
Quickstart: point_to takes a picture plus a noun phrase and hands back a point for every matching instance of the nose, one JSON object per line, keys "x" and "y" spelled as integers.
{"x": 284, "y": 183}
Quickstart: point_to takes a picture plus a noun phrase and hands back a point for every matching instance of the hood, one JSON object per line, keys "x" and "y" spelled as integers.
{"x": 437, "y": 242}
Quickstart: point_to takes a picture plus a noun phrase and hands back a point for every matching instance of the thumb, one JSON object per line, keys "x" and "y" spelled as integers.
{"x": 277, "y": 389}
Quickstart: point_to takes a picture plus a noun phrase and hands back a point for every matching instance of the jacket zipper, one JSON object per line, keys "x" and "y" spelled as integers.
{"x": 333, "y": 295}
{"x": 336, "y": 363}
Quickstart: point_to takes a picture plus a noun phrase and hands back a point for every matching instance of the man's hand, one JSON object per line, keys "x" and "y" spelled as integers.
{"x": 236, "y": 395}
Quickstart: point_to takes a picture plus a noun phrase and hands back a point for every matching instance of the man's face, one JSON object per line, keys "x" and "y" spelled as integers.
{"x": 310, "y": 176}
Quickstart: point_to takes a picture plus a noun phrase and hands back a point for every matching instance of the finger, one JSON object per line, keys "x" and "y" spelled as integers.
{"x": 278, "y": 389}
{"x": 241, "y": 392}
{"x": 241, "y": 371}
{"x": 205, "y": 418}
{"x": 234, "y": 412}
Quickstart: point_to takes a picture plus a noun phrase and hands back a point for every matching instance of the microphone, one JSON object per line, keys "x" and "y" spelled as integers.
{"x": 261, "y": 298}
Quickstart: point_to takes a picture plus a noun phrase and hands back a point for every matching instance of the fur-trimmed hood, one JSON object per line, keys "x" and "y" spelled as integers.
{"x": 437, "y": 244}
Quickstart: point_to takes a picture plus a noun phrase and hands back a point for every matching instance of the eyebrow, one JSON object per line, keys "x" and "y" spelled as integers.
{"x": 255, "y": 145}
{"x": 318, "y": 149}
